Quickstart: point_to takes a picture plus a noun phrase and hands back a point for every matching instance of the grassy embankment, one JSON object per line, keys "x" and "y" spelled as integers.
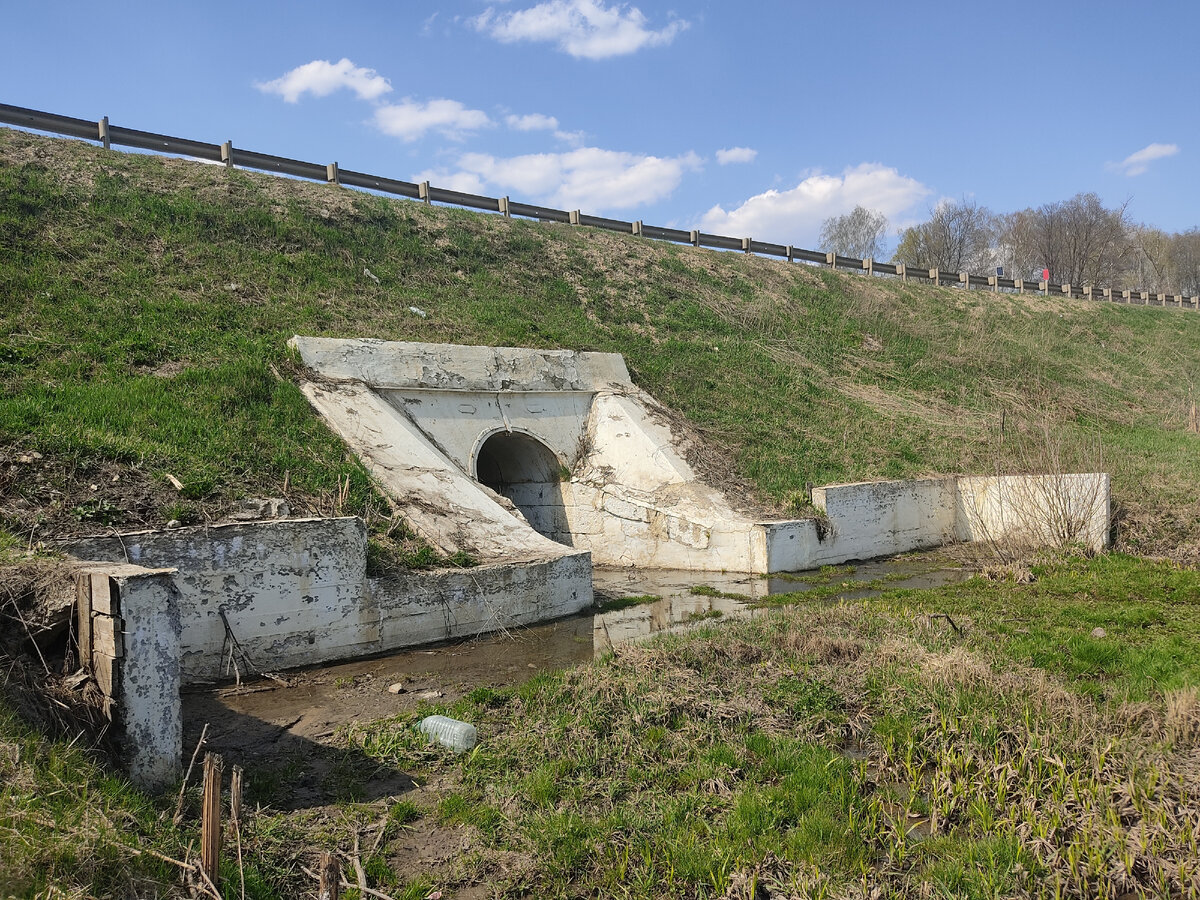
{"x": 147, "y": 303}
{"x": 145, "y": 308}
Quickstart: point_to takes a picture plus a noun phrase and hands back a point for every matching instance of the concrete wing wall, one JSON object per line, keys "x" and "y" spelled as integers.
{"x": 446, "y": 507}
{"x": 1035, "y": 509}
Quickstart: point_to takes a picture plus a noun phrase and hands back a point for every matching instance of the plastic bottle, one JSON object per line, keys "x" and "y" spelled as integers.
{"x": 458, "y": 736}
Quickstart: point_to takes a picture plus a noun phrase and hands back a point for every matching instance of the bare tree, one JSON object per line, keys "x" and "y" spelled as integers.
{"x": 1078, "y": 240}
{"x": 1150, "y": 259}
{"x": 1184, "y": 264}
{"x": 858, "y": 234}
{"x": 957, "y": 238}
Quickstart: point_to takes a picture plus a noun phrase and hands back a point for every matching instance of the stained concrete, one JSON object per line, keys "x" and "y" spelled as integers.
{"x": 510, "y": 453}
{"x": 296, "y": 592}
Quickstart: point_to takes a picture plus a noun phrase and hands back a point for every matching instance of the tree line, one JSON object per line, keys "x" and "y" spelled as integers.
{"x": 1079, "y": 240}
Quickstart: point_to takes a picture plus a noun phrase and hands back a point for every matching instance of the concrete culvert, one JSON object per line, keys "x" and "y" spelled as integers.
{"x": 523, "y": 469}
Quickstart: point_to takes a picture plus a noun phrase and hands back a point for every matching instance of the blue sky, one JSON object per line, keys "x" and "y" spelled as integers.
{"x": 748, "y": 119}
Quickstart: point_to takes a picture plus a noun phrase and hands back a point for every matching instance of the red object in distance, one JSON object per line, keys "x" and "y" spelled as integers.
{"x": 1045, "y": 274}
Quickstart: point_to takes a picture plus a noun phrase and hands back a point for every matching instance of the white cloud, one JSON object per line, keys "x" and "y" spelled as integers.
{"x": 794, "y": 216}
{"x": 588, "y": 178}
{"x": 532, "y": 122}
{"x": 1139, "y": 162}
{"x": 570, "y": 138}
{"x": 583, "y": 28}
{"x": 736, "y": 155}
{"x": 321, "y": 78}
{"x": 410, "y": 119}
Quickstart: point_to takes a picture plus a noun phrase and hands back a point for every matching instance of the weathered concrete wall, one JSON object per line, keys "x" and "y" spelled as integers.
{"x": 443, "y": 504}
{"x": 129, "y": 639}
{"x": 295, "y": 593}
{"x": 883, "y": 518}
{"x": 403, "y": 365}
{"x": 291, "y": 590}
{"x": 419, "y": 414}
{"x": 421, "y": 607}
{"x": 458, "y": 423}
{"x": 1035, "y": 510}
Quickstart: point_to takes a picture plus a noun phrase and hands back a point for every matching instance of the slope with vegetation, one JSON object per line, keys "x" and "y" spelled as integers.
{"x": 147, "y": 302}
{"x": 1044, "y": 745}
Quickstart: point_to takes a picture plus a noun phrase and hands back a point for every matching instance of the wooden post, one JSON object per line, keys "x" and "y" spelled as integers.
{"x": 102, "y": 129}
{"x": 745, "y": 245}
{"x": 831, "y": 259}
{"x": 965, "y": 278}
{"x": 695, "y": 238}
{"x": 210, "y": 819}
{"x": 504, "y": 208}
{"x": 331, "y": 174}
{"x": 227, "y": 154}
{"x": 423, "y": 191}
{"x": 902, "y": 271}
{"x": 331, "y": 878}
{"x": 935, "y": 277}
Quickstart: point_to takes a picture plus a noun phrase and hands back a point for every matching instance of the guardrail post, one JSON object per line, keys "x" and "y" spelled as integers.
{"x": 227, "y": 154}
{"x": 1087, "y": 292}
{"x": 1145, "y": 298}
{"x": 331, "y": 174}
{"x": 1162, "y": 299}
{"x": 831, "y": 259}
{"x": 1019, "y": 284}
{"x": 102, "y": 131}
{"x": 935, "y": 276}
{"x": 1066, "y": 289}
{"x": 637, "y": 227}
{"x": 1106, "y": 294}
{"x": 994, "y": 283}
{"x": 902, "y": 271}
{"x": 965, "y": 278}
{"x": 695, "y": 238}
{"x": 573, "y": 217}
{"x": 745, "y": 245}
{"x": 1179, "y": 300}
{"x": 1044, "y": 287}
{"x": 791, "y": 253}
{"x": 504, "y": 208}
{"x": 868, "y": 265}
{"x": 423, "y": 191}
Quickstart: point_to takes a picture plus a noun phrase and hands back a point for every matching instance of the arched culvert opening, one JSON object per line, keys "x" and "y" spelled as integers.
{"x": 527, "y": 472}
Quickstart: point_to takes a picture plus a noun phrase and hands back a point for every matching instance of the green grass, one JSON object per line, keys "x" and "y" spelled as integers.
{"x": 825, "y": 750}
{"x": 149, "y": 302}
{"x": 980, "y": 769}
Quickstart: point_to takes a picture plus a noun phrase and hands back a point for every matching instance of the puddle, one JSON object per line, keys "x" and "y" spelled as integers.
{"x": 263, "y": 717}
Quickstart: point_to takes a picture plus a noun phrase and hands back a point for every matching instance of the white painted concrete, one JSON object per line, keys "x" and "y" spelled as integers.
{"x": 406, "y": 365}
{"x": 136, "y": 664}
{"x": 296, "y": 593}
{"x": 1035, "y": 510}
{"x": 425, "y": 417}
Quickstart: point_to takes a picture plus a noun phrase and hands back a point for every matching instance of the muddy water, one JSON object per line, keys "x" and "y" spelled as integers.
{"x": 311, "y": 705}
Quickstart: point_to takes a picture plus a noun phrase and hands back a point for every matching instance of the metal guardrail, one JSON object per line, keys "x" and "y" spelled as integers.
{"x": 109, "y": 135}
